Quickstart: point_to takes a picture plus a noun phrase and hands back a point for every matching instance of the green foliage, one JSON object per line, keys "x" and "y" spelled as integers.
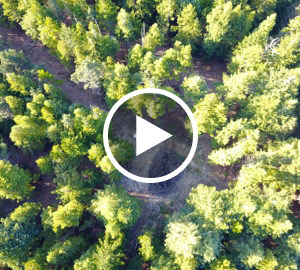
{"x": 115, "y": 208}
{"x": 106, "y": 255}
{"x": 186, "y": 240}
{"x": 62, "y": 254}
{"x": 65, "y": 216}
{"x": 146, "y": 250}
{"x": 167, "y": 10}
{"x": 226, "y": 26}
{"x": 120, "y": 83}
{"x": 18, "y": 234}
{"x": 210, "y": 114}
{"x": 222, "y": 264}
{"x": 89, "y": 72}
{"x": 250, "y": 115}
{"x": 27, "y": 133}
{"x": 45, "y": 164}
{"x": 16, "y": 105}
{"x": 15, "y": 182}
{"x": 246, "y": 145}
{"x": 248, "y": 54}
{"x": 194, "y": 88}
{"x": 288, "y": 50}
{"x": 164, "y": 263}
{"x": 10, "y": 9}
{"x": 188, "y": 28}
{"x": 106, "y": 13}
{"x": 128, "y": 25}
{"x": 153, "y": 38}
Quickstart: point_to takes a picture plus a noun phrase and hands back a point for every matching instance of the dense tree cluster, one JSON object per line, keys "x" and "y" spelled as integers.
{"x": 113, "y": 48}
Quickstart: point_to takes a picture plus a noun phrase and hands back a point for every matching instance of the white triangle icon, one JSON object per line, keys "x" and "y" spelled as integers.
{"x": 148, "y": 135}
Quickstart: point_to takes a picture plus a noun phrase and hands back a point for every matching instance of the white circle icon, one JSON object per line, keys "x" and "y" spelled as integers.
{"x": 130, "y": 175}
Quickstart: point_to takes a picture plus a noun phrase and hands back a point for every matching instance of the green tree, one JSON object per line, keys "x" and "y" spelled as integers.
{"x": 226, "y": 26}
{"x": 153, "y": 38}
{"x": 120, "y": 83}
{"x": 106, "y": 13}
{"x": 128, "y": 25}
{"x": 115, "y": 208}
{"x": 14, "y": 182}
{"x": 64, "y": 253}
{"x": 287, "y": 52}
{"x": 147, "y": 249}
{"x": 194, "y": 88}
{"x": 15, "y": 104}
{"x": 18, "y": 235}
{"x": 28, "y": 133}
{"x": 89, "y": 72}
{"x": 188, "y": 28}
{"x": 49, "y": 32}
{"x": 65, "y": 216}
{"x": 106, "y": 255}
{"x": 167, "y": 10}
{"x": 210, "y": 114}
{"x": 10, "y": 9}
{"x": 248, "y": 53}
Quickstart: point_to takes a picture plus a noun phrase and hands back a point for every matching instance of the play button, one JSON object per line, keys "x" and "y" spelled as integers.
{"x": 148, "y": 135}
{"x": 159, "y": 126}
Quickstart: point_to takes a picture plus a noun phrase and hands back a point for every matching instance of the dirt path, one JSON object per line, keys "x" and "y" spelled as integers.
{"x": 40, "y": 55}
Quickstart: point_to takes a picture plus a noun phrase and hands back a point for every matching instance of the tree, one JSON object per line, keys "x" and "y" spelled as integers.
{"x": 120, "y": 83}
{"x": 187, "y": 240}
{"x": 153, "y": 38}
{"x": 246, "y": 145}
{"x": 62, "y": 254}
{"x": 28, "y": 133}
{"x": 167, "y": 10}
{"x": 49, "y": 32}
{"x": 14, "y": 182}
{"x": 222, "y": 264}
{"x": 15, "y": 104}
{"x": 65, "y": 216}
{"x": 19, "y": 83}
{"x": 18, "y": 234}
{"x": 106, "y": 13}
{"x": 263, "y": 8}
{"x": 107, "y": 255}
{"x": 287, "y": 52}
{"x": 89, "y": 72}
{"x": 10, "y": 9}
{"x": 171, "y": 65}
{"x": 128, "y": 25}
{"x": 45, "y": 164}
{"x": 147, "y": 249}
{"x": 248, "y": 53}
{"x": 188, "y": 26}
{"x": 210, "y": 114}
{"x": 226, "y": 26}
{"x": 115, "y": 208}
{"x": 194, "y": 88}
{"x": 100, "y": 46}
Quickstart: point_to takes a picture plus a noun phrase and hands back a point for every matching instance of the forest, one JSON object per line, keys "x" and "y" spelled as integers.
{"x": 64, "y": 63}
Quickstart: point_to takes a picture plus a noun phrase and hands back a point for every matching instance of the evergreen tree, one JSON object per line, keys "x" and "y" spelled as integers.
{"x": 210, "y": 114}
{"x": 188, "y": 28}
{"x": 14, "y": 182}
{"x": 115, "y": 208}
{"x": 226, "y": 26}
{"x": 18, "y": 235}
